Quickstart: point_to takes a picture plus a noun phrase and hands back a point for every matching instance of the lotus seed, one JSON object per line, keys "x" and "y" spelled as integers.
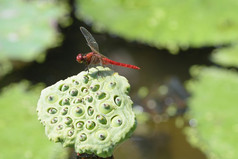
{"x": 79, "y": 124}
{"x": 68, "y": 120}
{"x": 117, "y": 100}
{"x": 74, "y": 92}
{"x": 89, "y": 99}
{"x": 84, "y": 90}
{"x": 54, "y": 120}
{"x": 52, "y": 110}
{"x": 65, "y": 101}
{"x": 101, "y": 135}
{"x": 101, "y": 95}
{"x": 105, "y": 108}
{"x": 90, "y": 111}
{"x": 64, "y": 111}
{"x": 78, "y": 100}
{"x": 90, "y": 125}
{"x": 85, "y": 79}
{"x": 101, "y": 119}
{"x": 60, "y": 127}
{"x": 71, "y": 132}
{"x": 94, "y": 88}
{"x": 112, "y": 84}
{"x": 75, "y": 82}
{"x": 79, "y": 111}
{"x": 64, "y": 87}
{"x": 82, "y": 137}
{"x": 116, "y": 121}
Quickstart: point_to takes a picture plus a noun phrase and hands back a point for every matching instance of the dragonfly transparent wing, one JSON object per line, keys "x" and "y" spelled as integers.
{"x": 90, "y": 40}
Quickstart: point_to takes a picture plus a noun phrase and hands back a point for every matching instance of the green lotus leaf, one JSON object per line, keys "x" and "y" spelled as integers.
{"x": 226, "y": 56}
{"x": 28, "y": 28}
{"x": 213, "y": 110}
{"x": 22, "y": 136}
{"x": 168, "y": 24}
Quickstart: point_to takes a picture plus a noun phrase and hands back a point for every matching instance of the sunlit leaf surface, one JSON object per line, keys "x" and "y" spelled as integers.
{"x": 28, "y": 28}
{"x": 226, "y": 56}
{"x": 162, "y": 23}
{"x": 213, "y": 112}
{"x": 22, "y": 135}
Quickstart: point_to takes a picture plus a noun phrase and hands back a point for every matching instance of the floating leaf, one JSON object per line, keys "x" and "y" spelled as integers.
{"x": 28, "y": 28}
{"x": 22, "y": 136}
{"x": 162, "y": 23}
{"x": 213, "y": 112}
{"x": 226, "y": 56}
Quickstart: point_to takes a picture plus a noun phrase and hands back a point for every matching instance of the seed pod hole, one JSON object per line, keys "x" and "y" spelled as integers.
{"x": 59, "y": 127}
{"x": 78, "y": 100}
{"x": 68, "y": 120}
{"x": 101, "y": 119}
{"x": 73, "y": 92}
{"x": 100, "y": 95}
{"x": 85, "y": 79}
{"x": 112, "y": 84}
{"x": 90, "y": 124}
{"x": 64, "y": 111}
{"x": 52, "y": 110}
{"x": 51, "y": 98}
{"x": 90, "y": 111}
{"x": 78, "y": 111}
{"x": 70, "y": 132}
{"x": 89, "y": 99}
{"x": 105, "y": 108}
{"x": 116, "y": 121}
{"x": 82, "y": 137}
{"x": 84, "y": 90}
{"x": 63, "y": 87}
{"x": 95, "y": 87}
{"x": 117, "y": 100}
{"x": 79, "y": 124}
{"x": 65, "y": 101}
{"x": 75, "y": 82}
{"x": 54, "y": 120}
{"x": 101, "y": 135}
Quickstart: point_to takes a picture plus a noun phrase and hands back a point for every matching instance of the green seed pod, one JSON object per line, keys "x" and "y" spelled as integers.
{"x": 91, "y": 111}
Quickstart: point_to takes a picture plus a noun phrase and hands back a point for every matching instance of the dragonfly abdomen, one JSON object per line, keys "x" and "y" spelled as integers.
{"x": 108, "y": 61}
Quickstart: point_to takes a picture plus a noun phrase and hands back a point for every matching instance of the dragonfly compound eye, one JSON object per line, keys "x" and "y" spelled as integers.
{"x": 80, "y": 58}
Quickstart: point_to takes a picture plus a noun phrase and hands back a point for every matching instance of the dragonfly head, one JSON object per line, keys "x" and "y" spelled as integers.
{"x": 80, "y": 58}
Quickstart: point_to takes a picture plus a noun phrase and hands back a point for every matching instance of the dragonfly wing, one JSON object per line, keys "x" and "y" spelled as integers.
{"x": 90, "y": 40}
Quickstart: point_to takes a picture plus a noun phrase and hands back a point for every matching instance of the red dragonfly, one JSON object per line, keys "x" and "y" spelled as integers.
{"x": 94, "y": 57}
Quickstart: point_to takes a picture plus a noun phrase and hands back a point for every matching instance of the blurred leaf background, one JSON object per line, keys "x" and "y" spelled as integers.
{"x": 184, "y": 95}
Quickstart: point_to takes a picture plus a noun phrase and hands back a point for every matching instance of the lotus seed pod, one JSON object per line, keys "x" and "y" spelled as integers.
{"x": 91, "y": 110}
